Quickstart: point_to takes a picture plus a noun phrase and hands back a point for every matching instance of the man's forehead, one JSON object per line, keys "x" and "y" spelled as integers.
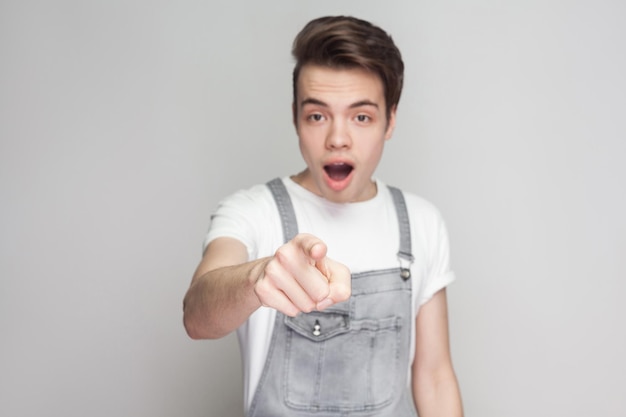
{"x": 357, "y": 86}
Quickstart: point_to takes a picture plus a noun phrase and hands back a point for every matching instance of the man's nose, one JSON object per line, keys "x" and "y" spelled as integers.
{"x": 338, "y": 136}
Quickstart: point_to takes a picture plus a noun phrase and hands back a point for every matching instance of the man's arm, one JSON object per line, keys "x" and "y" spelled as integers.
{"x": 435, "y": 387}
{"x": 221, "y": 295}
{"x": 226, "y": 289}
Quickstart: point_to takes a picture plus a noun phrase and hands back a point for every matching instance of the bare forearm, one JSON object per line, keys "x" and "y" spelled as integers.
{"x": 220, "y": 300}
{"x": 438, "y": 396}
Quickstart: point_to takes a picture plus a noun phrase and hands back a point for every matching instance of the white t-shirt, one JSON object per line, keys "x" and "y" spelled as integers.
{"x": 364, "y": 236}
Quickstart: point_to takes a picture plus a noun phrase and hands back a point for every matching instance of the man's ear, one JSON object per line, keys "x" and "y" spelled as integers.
{"x": 294, "y": 113}
{"x": 391, "y": 123}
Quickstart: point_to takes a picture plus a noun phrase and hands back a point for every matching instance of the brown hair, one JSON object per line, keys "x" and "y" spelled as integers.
{"x": 348, "y": 42}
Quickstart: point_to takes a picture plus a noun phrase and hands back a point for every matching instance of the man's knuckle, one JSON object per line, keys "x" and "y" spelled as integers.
{"x": 343, "y": 292}
{"x": 271, "y": 269}
{"x": 292, "y": 311}
{"x": 308, "y": 306}
{"x": 280, "y": 254}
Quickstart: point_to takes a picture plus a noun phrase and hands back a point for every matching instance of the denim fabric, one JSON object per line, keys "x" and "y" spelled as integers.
{"x": 351, "y": 359}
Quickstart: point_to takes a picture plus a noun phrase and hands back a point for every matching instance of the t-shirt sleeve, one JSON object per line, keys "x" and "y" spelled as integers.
{"x": 439, "y": 271}
{"x": 240, "y": 217}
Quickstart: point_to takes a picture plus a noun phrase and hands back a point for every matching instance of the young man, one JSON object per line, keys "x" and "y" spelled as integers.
{"x": 334, "y": 282}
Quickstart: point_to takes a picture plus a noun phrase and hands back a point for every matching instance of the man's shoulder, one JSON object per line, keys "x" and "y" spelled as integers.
{"x": 250, "y": 195}
{"x": 420, "y": 207}
{"x": 253, "y": 202}
{"x": 413, "y": 199}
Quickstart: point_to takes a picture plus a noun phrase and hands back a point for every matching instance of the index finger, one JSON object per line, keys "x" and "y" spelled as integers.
{"x": 308, "y": 265}
{"x": 312, "y": 246}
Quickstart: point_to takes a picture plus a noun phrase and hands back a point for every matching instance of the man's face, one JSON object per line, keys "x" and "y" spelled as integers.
{"x": 341, "y": 122}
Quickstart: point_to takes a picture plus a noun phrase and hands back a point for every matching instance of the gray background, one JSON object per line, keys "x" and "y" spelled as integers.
{"x": 123, "y": 123}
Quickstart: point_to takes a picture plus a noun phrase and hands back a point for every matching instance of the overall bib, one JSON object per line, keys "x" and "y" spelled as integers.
{"x": 352, "y": 359}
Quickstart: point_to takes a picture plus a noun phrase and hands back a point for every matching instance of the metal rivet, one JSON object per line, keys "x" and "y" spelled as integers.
{"x": 317, "y": 328}
{"x": 405, "y": 273}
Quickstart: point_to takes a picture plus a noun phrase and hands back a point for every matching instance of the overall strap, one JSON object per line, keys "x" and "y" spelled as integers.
{"x": 405, "y": 255}
{"x": 285, "y": 209}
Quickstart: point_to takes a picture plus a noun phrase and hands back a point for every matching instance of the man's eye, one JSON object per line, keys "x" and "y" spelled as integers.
{"x": 363, "y": 118}
{"x": 316, "y": 117}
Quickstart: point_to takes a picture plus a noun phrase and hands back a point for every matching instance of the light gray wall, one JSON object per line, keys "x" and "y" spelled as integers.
{"x": 122, "y": 124}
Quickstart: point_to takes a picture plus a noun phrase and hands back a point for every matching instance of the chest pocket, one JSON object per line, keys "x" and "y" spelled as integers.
{"x": 347, "y": 358}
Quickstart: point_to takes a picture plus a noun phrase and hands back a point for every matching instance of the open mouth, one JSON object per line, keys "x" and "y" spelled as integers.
{"x": 338, "y": 171}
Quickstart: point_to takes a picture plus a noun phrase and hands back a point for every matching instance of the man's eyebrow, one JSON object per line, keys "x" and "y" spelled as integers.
{"x": 363, "y": 103}
{"x": 316, "y": 102}
{"x": 312, "y": 101}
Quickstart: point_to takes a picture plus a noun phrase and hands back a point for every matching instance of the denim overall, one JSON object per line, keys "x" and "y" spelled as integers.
{"x": 352, "y": 359}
